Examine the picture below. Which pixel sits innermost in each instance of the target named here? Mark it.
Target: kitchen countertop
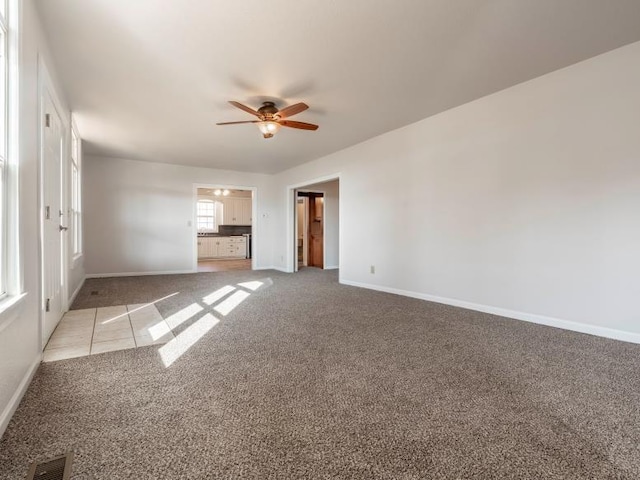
(217, 235)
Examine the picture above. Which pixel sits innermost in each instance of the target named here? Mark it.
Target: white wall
(137, 215)
(20, 348)
(76, 276)
(524, 202)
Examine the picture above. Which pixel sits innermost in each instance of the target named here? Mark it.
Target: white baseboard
(75, 293)
(284, 269)
(167, 272)
(280, 269)
(331, 267)
(10, 409)
(137, 274)
(502, 312)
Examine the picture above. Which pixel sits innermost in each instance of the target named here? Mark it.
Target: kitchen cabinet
(237, 211)
(236, 247)
(245, 214)
(207, 247)
(222, 247)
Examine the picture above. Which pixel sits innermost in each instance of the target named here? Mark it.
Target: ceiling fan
(271, 119)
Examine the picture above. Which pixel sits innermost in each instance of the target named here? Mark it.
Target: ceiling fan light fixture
(268, 128)
(270, 119)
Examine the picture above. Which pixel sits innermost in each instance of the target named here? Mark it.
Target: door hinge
(47, 213)
(47, 119)
(46, 305)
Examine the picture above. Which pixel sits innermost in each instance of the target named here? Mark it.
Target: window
(3, 148)
(206, 213)
(76, 195)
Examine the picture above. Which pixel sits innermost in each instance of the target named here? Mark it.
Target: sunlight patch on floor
(159, 330)
(254, 285)
(177, 347)
(218, 294)
(183, 315)
(225, 307)
(113, 319)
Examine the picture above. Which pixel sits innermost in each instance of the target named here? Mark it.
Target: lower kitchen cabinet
(222, 247)
(205, 247)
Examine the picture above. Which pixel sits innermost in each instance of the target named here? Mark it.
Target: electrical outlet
(372, 269)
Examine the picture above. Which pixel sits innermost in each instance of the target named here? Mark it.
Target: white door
(52, 281)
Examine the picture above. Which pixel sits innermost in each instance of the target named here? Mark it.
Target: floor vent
(56, 469)
(94, 292)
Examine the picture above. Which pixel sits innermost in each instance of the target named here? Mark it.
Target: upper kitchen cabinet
(237, 211)
(245, 215)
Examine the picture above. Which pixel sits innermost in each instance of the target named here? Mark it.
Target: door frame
(290, 265)
(306, 234)
(254, 218)
(46, 86)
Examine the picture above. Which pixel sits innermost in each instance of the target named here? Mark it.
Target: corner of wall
(13, 403)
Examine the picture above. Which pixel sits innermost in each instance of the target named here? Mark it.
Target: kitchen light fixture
(268, 128)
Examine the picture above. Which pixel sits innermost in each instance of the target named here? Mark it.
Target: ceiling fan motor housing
(268, 110)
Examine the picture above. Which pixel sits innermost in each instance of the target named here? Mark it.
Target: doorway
(224, 216)
(325, 229)
(302, 228)
(310, 229)
(52, 219)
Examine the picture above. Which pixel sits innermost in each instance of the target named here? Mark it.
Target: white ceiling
(148, 79)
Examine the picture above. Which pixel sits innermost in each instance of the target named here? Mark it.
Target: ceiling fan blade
(245, 108)
(301, 125)
(292, 110)
(235, 123)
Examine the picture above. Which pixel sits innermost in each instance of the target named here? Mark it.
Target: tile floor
(99, 330)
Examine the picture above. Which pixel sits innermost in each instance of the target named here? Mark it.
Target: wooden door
(315, 257)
